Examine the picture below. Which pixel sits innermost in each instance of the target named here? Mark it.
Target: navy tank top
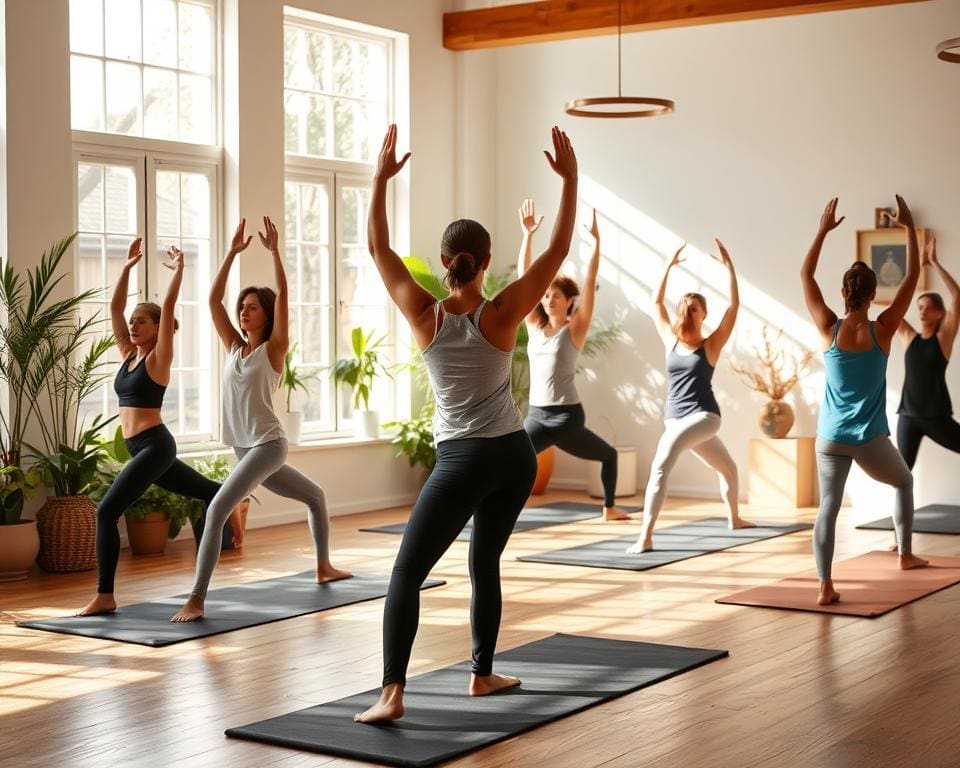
(135, 388)
(925, 392)
(688, 384)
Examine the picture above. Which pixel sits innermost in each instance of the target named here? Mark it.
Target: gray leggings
(881, 461)
(260, 465)
(698, 434)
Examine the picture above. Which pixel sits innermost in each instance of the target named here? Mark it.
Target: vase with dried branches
(772, 380)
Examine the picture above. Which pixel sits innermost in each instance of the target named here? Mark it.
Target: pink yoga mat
(869, 585)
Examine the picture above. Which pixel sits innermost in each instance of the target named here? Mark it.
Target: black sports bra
(135, 388)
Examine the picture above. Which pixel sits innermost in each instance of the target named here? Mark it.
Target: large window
(338, 99)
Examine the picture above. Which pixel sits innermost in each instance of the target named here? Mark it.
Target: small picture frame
(882, 218)
(884, 250)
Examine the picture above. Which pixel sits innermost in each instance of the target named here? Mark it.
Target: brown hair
(467, 245)
(267, 298)
(568, 287)
(683, 311)
(859, 284)
(937, 300)
(153, 310)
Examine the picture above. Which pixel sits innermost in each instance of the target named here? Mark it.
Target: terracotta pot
(776, 419)
(544, 470)
(67, 526)
(148, 534)
(19, 545)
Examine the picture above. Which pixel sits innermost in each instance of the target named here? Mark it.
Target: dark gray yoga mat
(560, 675)
(227, 609)
(678, 542)
(532, 517)
(934, 518)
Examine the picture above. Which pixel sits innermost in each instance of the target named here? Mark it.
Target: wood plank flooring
(798, 689)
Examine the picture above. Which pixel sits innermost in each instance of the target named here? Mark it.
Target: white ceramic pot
(626, 473)
(366, 424)
(293, 426)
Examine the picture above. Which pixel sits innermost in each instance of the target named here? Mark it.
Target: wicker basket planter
(68, 529)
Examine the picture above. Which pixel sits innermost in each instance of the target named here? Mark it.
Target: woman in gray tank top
(248, 422)
(557, 330)
(485, 462)
(691, 416)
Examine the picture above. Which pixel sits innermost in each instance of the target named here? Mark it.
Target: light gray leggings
(698, 434)
(260, 465)
(881, 461)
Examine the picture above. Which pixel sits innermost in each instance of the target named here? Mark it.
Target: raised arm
(890, 319)
(719, 337)
(529, 223)
(279, 341)
(951, 321)
(229, 336)
(164, 349)
(413, 301)
(661, 317)
(580, 322)
(823, 317)
(118, 301)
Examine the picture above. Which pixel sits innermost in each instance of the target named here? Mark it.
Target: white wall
(773, 118)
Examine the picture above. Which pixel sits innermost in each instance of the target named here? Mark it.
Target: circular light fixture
(620, 105)
(949, 50)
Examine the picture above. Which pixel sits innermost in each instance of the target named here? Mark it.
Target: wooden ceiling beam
(538, 22)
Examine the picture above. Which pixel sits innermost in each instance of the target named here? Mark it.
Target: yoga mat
(869, 585)
(934, 518)
(532, 517)
(560, 675)
(227, 609)
(678, 542)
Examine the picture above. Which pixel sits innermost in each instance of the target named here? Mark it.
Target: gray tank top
(248, 417)
(553, 368)
(470, 379)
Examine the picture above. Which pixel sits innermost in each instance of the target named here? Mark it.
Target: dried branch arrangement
(771, 380)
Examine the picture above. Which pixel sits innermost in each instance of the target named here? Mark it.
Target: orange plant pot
(544, 470)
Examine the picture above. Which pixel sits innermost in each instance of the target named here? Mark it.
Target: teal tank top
(854, 404)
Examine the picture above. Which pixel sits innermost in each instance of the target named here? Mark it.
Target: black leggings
(490, 479)
(911, 430)
(154, 460)
(564, 427)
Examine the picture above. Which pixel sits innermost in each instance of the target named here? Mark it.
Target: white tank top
(248, 417)
(553, 368)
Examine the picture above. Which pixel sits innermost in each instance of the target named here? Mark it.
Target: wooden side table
(783, 472)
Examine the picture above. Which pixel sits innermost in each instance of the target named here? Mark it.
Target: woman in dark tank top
(925, 408)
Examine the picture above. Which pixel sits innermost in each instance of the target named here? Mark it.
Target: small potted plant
(292, 379)
(358, 373)
(19, 542)
(156, 516)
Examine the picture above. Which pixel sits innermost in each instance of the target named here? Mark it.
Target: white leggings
(697, 433)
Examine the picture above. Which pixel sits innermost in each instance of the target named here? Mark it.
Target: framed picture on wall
(885, 252)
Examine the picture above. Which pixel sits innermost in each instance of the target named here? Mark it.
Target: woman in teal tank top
(853, 420)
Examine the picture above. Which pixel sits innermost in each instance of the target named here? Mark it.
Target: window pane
(315, 326)
(343, 69)
(86, 93)
(123, 99)
(168, 204)
(195, 203)
(159, 104)
(121, 200)
(315, 273)
(343, 129)
(372, 68)
(196, 269)
(195, 109)
(90, 197)
(290, 210)
(86, 26)
(123, 30)
(293, 116)
(317, 49)
(189, 317)
(196, 38)
(117, 248)
(90, 259)
(314, 210)
(160, 32)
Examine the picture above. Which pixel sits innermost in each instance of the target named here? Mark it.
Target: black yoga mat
(560, 675)
(678, 542)
(934, 518)
(227, 609)
(532, 517)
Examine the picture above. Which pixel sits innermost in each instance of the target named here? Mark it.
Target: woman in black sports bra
(146, 343)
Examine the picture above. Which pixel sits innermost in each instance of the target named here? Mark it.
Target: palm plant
(359, 371)
(292, 377)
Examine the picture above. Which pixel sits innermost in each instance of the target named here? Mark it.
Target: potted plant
(358, 373)
(19, 542)
(293, 379)
(776, 416)
(218, 469)
(156, 516)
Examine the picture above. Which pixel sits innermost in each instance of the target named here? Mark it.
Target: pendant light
(619, 105)
(949, 50)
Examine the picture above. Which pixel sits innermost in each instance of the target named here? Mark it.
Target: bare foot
(327, 572)
(487, 684)
(390, 706)
(643, 544)
(236, 525)
(908, 562)
(739, 522)
(99, 604)
(828, 595)
(191, 611)
(612, 513)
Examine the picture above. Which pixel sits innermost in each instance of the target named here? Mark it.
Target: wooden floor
(798, 689)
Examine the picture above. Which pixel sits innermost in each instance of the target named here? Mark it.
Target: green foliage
(181, 509)
(292, 377)
(414, 438)
(216, 468)
(73, 470)
(16, 486)
(359, 371)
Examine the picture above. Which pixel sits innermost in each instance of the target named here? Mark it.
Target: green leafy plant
(16, 485)
(216, 468)
(292, 377)
(180, 509)
(73, 470)
(358, 372)
(414, 438)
